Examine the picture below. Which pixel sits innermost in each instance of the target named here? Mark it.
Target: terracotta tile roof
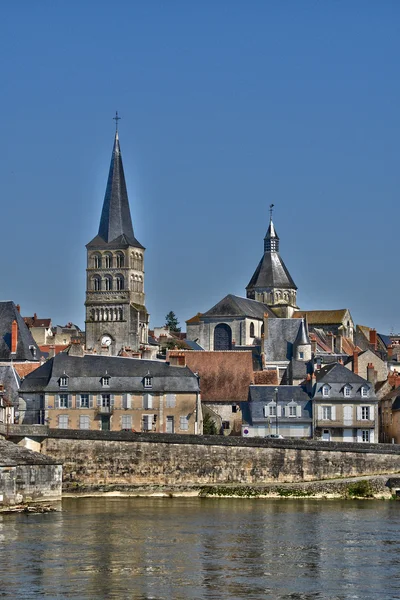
(320, 343)
(321, 317)
(195, 319)
(23, 369)
(35, 322)
(57, 347)
(224, 375)
(348, 346)
(268, 377)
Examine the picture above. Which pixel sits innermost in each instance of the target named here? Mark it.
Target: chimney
(176, 359)
(371, 373)
(355, 361)
(14, 336)
(390, 351)
(331, 342)
(313, 344)
(18, 308)
(52, 351)
(373, 339)
(34, 316)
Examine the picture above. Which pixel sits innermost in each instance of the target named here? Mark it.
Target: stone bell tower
(116, 315)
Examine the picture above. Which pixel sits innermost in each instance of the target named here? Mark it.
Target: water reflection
(160, 548)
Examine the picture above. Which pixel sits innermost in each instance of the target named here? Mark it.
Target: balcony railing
(105, 410)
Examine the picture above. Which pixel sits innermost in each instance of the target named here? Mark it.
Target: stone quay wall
(123, 460)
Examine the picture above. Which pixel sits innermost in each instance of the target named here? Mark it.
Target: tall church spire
(116, 216)
(271, 240)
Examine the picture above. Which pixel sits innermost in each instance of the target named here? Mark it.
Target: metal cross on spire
(271, 206)
(116, 119)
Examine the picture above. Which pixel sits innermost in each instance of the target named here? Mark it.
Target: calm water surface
(161, 548)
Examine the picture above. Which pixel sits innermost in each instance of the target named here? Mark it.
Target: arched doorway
(222, 337)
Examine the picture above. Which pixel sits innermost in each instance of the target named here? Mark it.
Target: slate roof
(337, 373)
(260, 395)
(115, 228)
(126, 375)
(271, 272)
(236, 306)
(280, 337)
(321, 317)
(9, 378)
(8, 314)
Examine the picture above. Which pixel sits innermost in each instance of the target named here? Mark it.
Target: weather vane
(271, 206)
(116, 119)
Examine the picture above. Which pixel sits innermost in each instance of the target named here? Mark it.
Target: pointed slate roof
(302, 338)
(236, 306)
(271, 271)
(27, 349)
(115, 230)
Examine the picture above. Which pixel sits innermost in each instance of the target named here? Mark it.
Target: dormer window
(64, 381)
(347, 391)
(147, 381)
(364, 391)
(105, 381)
(325, 390)
(33, 351)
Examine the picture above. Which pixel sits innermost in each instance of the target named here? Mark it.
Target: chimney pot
(373, 340)
(355, 361)
(14, 336)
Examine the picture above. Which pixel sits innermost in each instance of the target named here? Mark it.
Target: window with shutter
(84, 400)
(126, 422)
(63, 421)
(147, 422)
(184, 423)
(170, 400)
(63, 400)
(84, 422)
(333, 413)
(147, 401)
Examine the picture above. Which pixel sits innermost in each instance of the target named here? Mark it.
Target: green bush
(360, 489)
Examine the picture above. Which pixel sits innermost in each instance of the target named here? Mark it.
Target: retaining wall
(122, 460)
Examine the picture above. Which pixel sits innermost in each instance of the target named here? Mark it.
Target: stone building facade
(345, 406)
(116, 315)
(113, 393)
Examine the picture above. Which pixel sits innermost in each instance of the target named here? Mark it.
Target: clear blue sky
(226, 107)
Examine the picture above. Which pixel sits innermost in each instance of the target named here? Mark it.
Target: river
(193, 548)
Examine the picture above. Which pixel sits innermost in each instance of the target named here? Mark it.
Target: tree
(172, 322)
(209, 426)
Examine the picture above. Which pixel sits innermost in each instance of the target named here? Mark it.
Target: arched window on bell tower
(120, 282)
(120, 260)
(96, 283)
(108, 260)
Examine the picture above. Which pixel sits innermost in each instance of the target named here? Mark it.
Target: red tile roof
(224, 375)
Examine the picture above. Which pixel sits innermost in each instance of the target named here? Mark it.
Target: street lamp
(276, 411)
